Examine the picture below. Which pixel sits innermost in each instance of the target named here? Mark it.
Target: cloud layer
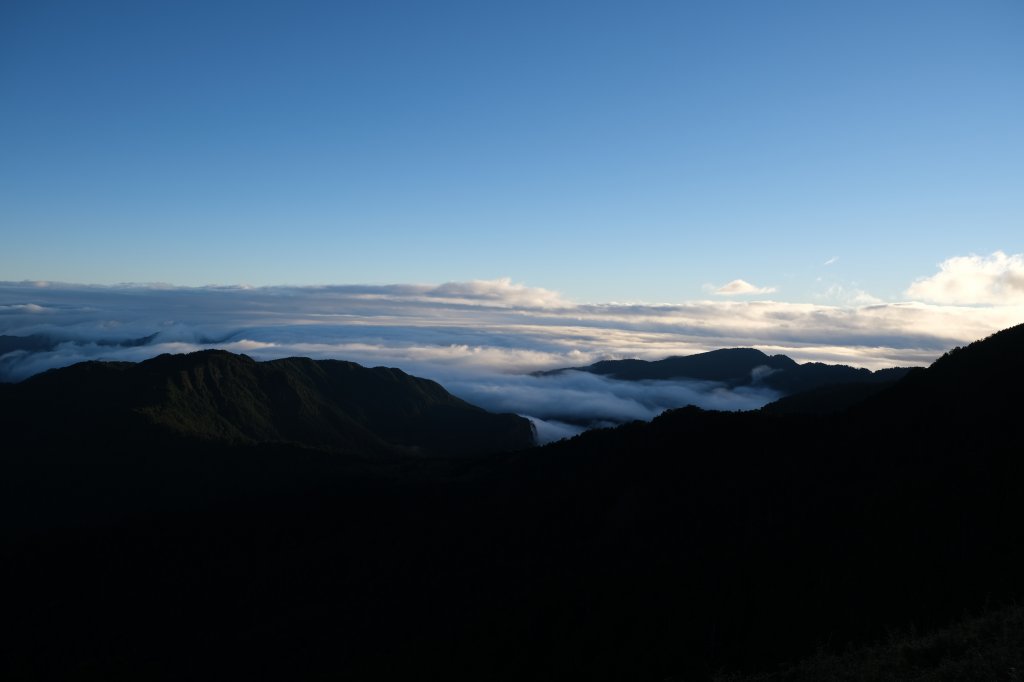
(479, 339)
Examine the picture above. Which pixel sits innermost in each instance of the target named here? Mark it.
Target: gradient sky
(608, 151)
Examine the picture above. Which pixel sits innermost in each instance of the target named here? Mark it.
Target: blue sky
(638, 151)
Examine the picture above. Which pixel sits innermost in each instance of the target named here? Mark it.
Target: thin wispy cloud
(831, 261)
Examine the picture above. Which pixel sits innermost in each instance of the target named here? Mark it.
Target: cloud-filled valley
(567, 403)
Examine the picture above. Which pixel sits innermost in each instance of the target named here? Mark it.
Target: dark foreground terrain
(180, 527)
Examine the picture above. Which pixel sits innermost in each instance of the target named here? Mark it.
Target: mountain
(43, 342)
(738, 367)
(827, 399)
(728, 365)
(971, 386)
(216, 395)
(779, 533)
(32, 343)
(697, 546)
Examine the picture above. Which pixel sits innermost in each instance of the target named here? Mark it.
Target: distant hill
(738, 367)
(32, 343)
(216, 395)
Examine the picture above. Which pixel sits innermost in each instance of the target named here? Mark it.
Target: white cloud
(997, 279)
(739, 287)
(501, 292)
(568, 398)
(832, 260)
(581, 395)
(22, 308)
(848, 296)
(470, 329)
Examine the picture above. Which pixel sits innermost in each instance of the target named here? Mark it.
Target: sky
(611, 151)
(500, 187)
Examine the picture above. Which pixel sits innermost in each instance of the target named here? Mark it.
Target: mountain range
(208, 516)
(739, 367)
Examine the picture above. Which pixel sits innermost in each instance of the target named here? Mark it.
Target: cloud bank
(479, 339)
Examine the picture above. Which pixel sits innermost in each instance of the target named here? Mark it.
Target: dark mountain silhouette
(738, 367)
(979, 382)
(728, 365)
(35, 343)
(827, 399)
(32, 343)
(218, 395)
(696, 546)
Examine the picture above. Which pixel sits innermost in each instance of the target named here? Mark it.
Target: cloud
(997, 279)
(481, 339)
(551, 430)
(471, 327)
(831, 261)
(849, 296)
(22, 308)
(502, 292)
(567, 402)
(739, 287)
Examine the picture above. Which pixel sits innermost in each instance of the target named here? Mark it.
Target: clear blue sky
(610, 151)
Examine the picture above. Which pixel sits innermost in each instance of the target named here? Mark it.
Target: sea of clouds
(483, 339)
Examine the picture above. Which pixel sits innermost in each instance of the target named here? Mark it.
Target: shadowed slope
(974, 386)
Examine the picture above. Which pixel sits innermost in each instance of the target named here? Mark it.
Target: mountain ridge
(331, 404)
(737, 367)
